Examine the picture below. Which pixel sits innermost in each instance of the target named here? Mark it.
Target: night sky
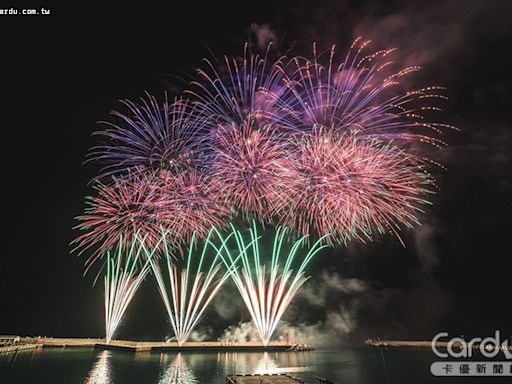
(64, 72)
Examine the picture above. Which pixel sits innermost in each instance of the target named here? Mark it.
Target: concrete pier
(154, 346)
(192, 346)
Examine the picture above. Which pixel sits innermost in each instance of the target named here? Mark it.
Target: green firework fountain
(125, 271)
(267, 290)
(187, 291)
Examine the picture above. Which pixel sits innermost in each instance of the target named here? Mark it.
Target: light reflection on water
(175, 368)
(101, 371)
(234, 363)
(266, 365)
(177, 372)
(269, 366)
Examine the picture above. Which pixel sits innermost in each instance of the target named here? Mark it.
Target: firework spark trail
(150, 136)
(124, 274)
(187, 291)
(349, 187)
(359, 94)
(268, 290)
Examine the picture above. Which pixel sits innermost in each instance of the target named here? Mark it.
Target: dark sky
(62, 73)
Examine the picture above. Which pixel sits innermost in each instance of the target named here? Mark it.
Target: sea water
(355, 365)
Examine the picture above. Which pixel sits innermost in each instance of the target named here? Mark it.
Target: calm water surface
(358, 366)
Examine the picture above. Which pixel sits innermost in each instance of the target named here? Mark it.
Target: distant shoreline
(403, 343)
(423, 344)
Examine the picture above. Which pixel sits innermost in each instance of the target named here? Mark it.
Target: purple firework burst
(149, 136)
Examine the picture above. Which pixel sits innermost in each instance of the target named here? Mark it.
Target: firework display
(186, 292)
(268, 288)
(125, 271)
(324, 148)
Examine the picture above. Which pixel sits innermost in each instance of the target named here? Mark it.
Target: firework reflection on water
(101, 371)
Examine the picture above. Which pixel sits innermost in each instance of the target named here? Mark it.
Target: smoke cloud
(264, 35)
(334, 324)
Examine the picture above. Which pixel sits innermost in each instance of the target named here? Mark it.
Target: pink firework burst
(251, 170)
(118, 215)
(349, 187)
(188, 203)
